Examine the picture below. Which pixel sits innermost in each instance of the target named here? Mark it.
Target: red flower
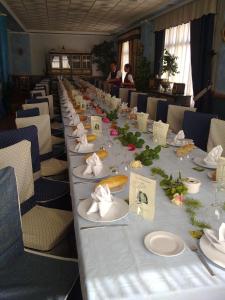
(131, 147)
(106, 120)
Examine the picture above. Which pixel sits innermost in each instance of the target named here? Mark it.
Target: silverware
(103, 226)
(203, 260)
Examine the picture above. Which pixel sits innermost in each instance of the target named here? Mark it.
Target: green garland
(148, 155)
(173, 186)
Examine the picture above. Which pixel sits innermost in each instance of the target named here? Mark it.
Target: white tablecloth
(114, 263)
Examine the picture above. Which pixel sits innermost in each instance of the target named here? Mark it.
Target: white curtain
(124, 57)
(177, 42)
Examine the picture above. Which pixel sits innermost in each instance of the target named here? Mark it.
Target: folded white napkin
(94, 165)
(80, 130)
(83, 144)
(75, 120)
(101, 200)
(179, 136)
(214, 155)
(124, 105)
(217, 240)
(134, 110)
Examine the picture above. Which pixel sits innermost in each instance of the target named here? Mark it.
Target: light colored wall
(41, 43)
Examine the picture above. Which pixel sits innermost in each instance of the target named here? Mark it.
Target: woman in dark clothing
(128, 80)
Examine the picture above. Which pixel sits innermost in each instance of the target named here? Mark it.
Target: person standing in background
(128, 80)
(114, 77)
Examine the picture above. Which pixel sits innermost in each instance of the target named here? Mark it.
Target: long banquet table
(113, 261)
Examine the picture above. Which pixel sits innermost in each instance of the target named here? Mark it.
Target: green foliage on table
(112, 115)
(148, 155)
(131, 138)
(123, 130)
(103, 55)
(191, 207)
(170, 65)
(169, 184)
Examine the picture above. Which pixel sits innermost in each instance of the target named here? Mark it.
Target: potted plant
(143, 72)
(103, 55)
(170, 67)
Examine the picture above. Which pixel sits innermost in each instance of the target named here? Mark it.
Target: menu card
(96, 125)
(220, 171)
(160, 131)
(142, 196)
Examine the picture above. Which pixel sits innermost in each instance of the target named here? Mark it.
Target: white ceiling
(97, 16)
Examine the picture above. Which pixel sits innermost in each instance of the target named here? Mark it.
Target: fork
(202, 259)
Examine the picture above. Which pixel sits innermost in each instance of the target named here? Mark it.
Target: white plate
(164, 243)
(85, 152)
(180, 143)
(211, 252)
(118, 210)
(200, 162)
(78, 172)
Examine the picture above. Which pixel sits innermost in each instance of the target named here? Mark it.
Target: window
(55, 62)
(177, 42)
(124, 57)
(65, 62)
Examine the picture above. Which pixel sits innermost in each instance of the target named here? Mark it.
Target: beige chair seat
(175, 116)
(53, 166)
(57, 140)
(44, 227)
(216, 135)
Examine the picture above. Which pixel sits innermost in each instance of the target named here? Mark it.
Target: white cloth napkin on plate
(75, 120)
(217, 240)
(213, 156)
(101, 200)
(134, 110)
(179, 136)
(80, 130)
(83, 144)
(124, 105)
(94, 165)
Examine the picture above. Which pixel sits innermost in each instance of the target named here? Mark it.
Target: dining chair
(36, 93)
(26, 274)
(45, 138)
(115, 91)
(216, 134)
(123, 94)
(48, 168)
(21, 113)
(196, 127)
(43, 227)
(152, 106)
(142, 102)
(175, 116)
(133, 99)
(43, 107)
(161, 111)
(56, 128)
(129, 96)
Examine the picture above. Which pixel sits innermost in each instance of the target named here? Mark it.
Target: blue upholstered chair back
(11, 242)
(10, 137)
(32, 101)
(115, 91)
(196, 126)
(129, 96)
(24, 113)
(161, 111)
(142, 102)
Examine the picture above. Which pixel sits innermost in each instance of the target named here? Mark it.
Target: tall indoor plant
(143, 72)
(103, 55)
(170, 66)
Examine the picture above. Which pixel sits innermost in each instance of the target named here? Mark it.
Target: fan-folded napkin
(94, 165)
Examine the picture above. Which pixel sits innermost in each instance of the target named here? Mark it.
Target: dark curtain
(159, 49)
(201, 58)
